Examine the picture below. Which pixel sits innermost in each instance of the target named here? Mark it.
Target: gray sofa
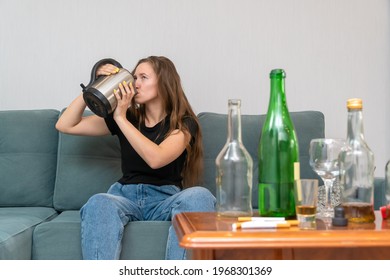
(46, 176)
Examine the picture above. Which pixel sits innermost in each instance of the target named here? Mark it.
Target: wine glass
(324, 153)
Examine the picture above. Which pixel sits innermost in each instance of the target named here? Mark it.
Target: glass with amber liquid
(357, 169)
(306, 210)
(306, 198)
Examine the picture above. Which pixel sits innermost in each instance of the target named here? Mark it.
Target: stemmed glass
(324, 153)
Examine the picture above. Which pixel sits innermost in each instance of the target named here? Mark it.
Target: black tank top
(135, 170)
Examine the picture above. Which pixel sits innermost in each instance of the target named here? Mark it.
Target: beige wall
(331, 50)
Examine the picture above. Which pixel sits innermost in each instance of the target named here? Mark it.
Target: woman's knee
(98, 203)
(107, 206)
(199, 199)
(98, 200)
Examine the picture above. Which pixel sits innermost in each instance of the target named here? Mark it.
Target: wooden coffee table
(208, 236)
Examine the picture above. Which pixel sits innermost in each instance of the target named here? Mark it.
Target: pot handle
(96, 66)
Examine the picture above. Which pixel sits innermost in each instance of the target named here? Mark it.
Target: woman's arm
(72, 121)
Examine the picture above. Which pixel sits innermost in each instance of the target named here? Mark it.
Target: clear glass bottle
(234, 168)
(278, 153)
(357, 169)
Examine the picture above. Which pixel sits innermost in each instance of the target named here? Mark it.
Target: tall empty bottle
(357, 169)
(234, 167)
(278, 154)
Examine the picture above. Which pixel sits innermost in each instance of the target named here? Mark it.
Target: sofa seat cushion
(145, 240)
(141, 240)
(58, 239)
(16, 229)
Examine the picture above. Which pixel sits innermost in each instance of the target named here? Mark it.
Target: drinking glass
(324, 153)
(306, 197)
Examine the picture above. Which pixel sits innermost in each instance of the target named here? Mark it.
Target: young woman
(161, 151)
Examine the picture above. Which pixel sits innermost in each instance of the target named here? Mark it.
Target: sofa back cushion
(28, 153)
(85, 166)
(308, 125)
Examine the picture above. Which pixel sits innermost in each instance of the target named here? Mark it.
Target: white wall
(331, 50)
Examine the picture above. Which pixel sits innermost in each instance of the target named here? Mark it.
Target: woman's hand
(123, 97)
(106, 70)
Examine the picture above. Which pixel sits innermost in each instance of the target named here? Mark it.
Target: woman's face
(145, 83)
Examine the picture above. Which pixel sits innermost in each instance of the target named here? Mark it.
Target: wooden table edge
(191, 238)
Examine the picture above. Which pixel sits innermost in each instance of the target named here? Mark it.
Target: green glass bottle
(278, 155)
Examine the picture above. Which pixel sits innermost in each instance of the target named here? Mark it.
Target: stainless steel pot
(99, 93)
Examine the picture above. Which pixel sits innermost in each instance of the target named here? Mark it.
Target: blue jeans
(105, 215)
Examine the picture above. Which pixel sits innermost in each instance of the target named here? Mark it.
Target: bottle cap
(277, 73)
(339, 219)
(355, 103)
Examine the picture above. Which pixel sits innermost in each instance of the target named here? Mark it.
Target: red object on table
(385, 211)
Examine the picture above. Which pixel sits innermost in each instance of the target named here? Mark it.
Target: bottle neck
(355, 125)
(234, 120)
(278, 96)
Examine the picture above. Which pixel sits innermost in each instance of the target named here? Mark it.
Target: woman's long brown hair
(177, 106)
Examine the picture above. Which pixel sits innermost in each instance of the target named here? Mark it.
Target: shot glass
(306, 198)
